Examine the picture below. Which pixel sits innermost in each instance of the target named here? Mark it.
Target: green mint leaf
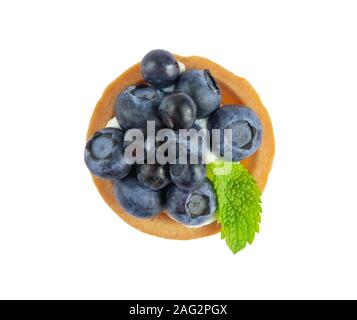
(239, 203)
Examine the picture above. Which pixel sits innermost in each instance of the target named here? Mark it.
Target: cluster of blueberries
(174, 100)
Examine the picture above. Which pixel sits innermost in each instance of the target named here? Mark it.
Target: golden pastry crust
(235, 90)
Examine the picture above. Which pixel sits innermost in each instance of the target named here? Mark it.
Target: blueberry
(192, 208)
(153, 176)
(138, 201)
(104, 154)
(246, 130)
(198, 147)
(202, 88)
(136, 105)
(160, 68)
(132, 135)
(189, 147)
(187, 176)
(178, 111)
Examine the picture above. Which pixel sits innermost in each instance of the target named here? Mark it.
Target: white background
(58, 239)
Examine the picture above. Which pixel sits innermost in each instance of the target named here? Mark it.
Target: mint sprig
(239, 203)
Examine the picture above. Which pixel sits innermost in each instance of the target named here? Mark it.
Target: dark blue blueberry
(153, 176)
(104, 154)
(202, 88)
(132, 135)
(190, 147)
(136, 105)
(160, 68)
(187, 176)
(246, 130)
(196, 148)
(138, 201)
(192, 208)
(178, 111)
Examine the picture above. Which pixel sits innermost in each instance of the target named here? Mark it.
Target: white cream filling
(203, 123)
(181, 66)
(169, 89)
(113, 123)
(209, 221)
